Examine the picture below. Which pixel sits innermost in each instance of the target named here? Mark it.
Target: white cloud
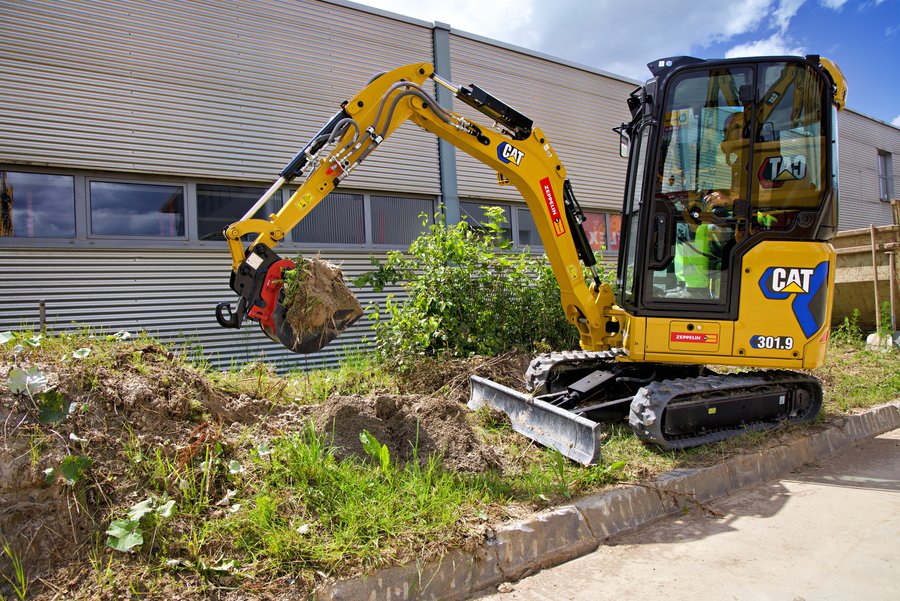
(615, 35)
(785, 12)
(896, 121)
(774, 45)
(833, 4)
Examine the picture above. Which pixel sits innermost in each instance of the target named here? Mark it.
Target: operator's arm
(519, 152)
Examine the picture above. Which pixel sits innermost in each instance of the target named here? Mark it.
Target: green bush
(466, 292)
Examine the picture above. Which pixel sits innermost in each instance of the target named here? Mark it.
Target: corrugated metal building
(134, 131)
(868, 178)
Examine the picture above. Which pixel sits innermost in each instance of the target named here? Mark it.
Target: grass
(253, 512)
(19, 579)
(855, 378)
(309, 511)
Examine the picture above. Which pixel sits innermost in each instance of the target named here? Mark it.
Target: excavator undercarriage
(670, 406)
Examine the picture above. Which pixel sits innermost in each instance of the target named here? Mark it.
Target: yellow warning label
(304, 201)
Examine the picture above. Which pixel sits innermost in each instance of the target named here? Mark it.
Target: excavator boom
(519, 152)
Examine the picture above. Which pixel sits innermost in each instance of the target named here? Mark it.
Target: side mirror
(624, 140)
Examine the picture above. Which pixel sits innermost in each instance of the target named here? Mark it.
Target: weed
(849, 332)
(19, 579)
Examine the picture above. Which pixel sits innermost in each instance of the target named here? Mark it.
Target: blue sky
(621, 36)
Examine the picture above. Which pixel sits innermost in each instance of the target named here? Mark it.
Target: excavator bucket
(576, 437)
(308, 315)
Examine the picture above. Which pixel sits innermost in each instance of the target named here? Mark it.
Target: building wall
(860, 138)
(576, 109)
(201, 89)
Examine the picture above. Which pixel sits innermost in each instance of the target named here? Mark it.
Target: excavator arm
(519, 152)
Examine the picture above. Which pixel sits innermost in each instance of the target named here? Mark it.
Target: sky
(622, 36)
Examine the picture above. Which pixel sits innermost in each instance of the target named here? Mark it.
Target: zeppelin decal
(694, 338)
(550, 198)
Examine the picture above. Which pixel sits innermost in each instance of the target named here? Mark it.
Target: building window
(36, 205)
(338, 219)
(220, 206)
(145, 210)
(527, 230)
(473, 212)
(398, 221)
(885, 176)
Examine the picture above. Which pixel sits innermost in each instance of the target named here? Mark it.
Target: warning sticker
(304, 201)
(559, 227)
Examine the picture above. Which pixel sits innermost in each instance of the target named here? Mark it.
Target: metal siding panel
(860, 138)
(575, 109)
(170, 294)
(198, 88)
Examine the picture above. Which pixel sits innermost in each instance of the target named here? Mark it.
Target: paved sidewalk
(828, 531)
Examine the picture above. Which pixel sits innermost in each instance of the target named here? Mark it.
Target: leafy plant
(467, 292)
(377, 451)
(849, 331)
(69, 471)
(886, 320)
(53, 407)
(125, 535)
(26, 381)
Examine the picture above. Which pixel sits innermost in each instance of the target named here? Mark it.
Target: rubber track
(541, 366)
(645, 416)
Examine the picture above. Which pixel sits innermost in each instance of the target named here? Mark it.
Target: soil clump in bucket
(319, 303)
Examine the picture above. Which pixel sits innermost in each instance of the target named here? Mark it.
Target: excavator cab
(725, 156)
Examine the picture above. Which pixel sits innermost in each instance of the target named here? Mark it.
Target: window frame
(53, 240)
(189, 224)
(885, 176)
(84, 237)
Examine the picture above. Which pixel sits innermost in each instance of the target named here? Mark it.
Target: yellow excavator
(725, 256)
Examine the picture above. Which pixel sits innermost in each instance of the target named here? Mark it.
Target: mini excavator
(725, 258)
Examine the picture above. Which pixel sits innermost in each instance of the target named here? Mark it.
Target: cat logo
(508, 153)
(774, 171)
(804, 288)
(790, 280)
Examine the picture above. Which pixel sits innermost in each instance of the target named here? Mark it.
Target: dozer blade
(576, 437)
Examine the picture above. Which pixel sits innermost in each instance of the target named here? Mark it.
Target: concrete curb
(566, 532)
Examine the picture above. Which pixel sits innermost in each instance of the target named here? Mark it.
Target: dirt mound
(411, 427)
(318, 301)
(140, 400)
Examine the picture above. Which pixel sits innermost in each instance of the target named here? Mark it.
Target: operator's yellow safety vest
(694, 264)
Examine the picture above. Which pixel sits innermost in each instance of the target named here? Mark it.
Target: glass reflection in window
(220, 206)
(36, 205)
(127, 209)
